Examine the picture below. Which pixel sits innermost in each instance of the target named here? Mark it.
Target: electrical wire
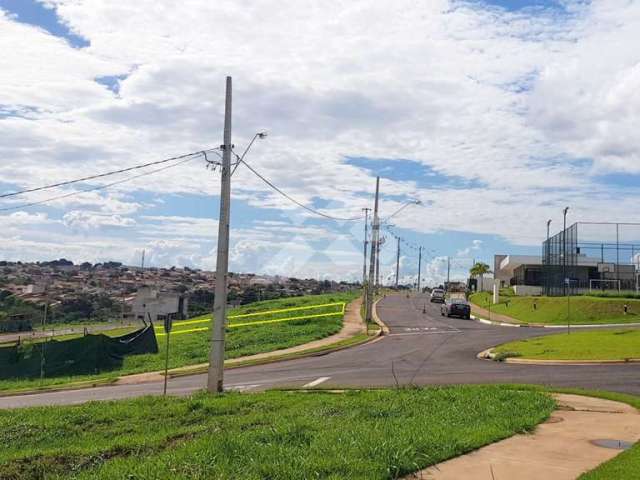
(100, 187)
(101, 175)
(291, 199)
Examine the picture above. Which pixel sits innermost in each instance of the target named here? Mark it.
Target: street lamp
(412, 202)
(564, 249)
(261, 135)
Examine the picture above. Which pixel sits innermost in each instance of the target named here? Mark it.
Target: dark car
(458, 307)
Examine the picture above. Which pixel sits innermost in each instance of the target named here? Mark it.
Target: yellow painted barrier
(268, 312)
(248, 324)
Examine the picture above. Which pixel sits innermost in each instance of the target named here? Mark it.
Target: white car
(437, 295)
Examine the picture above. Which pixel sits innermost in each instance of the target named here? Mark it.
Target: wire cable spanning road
(420, 349)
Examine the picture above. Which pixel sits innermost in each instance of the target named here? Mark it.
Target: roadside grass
(374, 434)
(607, 344)
(553, 310)
(193, 348)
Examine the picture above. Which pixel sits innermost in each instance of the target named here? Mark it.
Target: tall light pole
(215, 382)
(548, 261)
(564, 249)
(398, 263)
(375, 230)
(419, 266)
(366, 241)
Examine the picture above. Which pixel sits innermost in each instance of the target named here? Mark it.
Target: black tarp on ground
(84, 355)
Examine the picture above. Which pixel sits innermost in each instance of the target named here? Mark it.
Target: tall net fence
(88, 354)
(589, 257)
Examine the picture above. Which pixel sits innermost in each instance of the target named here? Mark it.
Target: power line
(291, 199)
(101, 175)
(99, 187)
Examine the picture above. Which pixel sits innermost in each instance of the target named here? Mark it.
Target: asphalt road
(421, 349)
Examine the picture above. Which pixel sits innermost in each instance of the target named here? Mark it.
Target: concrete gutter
(489, 354)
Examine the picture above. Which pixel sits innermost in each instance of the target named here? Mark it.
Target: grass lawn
(553, 310)
(377, 434)
(583, 345)
(193, 348)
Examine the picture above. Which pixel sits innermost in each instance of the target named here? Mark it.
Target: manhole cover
(611, 443)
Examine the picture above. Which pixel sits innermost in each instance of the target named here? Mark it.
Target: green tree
(479, 269)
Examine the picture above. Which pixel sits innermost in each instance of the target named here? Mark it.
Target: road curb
(374, 313)
(489, 354)
(540, 325)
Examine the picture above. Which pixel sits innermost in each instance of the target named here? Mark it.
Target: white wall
(527, 290)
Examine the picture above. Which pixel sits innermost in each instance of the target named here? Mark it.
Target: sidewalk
(494, 317)
(559, 449)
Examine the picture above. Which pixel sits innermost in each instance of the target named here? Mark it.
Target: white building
(150, 303)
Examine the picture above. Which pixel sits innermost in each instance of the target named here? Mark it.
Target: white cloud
(504, 100)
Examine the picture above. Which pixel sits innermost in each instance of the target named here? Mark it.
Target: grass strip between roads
(583, 309)
(376, 434)
(617, 344)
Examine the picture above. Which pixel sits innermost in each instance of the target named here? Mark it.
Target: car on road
(437, 295)
(458, 307)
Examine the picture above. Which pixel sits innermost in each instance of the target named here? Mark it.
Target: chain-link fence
(590, 257)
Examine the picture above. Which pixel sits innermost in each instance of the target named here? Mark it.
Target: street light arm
(246, 150)
(413, 202)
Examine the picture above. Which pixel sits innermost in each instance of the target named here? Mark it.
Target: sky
(495, 114)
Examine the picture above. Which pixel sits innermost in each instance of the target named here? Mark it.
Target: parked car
(458, 307)
(437, 295)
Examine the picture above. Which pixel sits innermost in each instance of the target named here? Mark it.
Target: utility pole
(366, 241)
(398, 263)
(419, 266)
(378, 242)
(448, 271)
(216, 357)
(375, 229)
(142, 264)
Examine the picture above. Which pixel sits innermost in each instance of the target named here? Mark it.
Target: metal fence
(590, 256)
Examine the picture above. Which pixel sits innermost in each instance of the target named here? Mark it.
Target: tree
(479, 269)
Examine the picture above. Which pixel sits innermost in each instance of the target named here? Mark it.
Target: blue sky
(506, 112)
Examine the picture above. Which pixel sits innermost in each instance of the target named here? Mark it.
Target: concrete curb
(489, 354)
(541, 325)
(374, 313)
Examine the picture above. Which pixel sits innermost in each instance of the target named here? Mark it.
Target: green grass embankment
(277, 435)
(585, 310)
(193, 348)
(579, 345)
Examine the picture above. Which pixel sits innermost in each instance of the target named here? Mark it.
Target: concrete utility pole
(375, 229)
(419, 266)
(448, 271)
(216, 357)
(366, 241)
(398, 263)
(378, 242)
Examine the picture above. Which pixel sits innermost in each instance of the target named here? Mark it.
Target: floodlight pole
(564, 250)
(215, 380)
